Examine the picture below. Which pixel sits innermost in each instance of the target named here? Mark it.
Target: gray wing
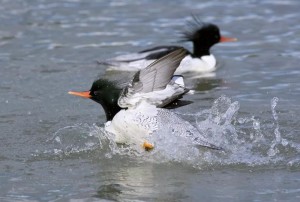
(148, 54)
(154, 77)
(158, 74)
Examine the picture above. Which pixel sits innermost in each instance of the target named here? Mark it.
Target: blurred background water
(52, 145)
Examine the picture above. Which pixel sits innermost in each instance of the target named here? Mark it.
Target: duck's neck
(111, 111)
(110, 106)
(200, 51)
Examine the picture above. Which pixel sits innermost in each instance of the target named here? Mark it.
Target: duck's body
(200, 60)
(135, 126)
(140, 103)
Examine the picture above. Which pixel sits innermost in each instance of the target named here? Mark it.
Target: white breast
(204, 64)
(133, 126)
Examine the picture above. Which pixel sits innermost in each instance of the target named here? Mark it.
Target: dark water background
(52, 147)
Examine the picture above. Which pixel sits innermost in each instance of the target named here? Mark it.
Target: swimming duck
(136, 111)
(202, 35)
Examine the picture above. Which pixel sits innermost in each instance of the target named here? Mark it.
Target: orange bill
(227, 39)
(84, 94)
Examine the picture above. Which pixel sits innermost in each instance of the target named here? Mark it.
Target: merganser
(202, 35)
(135, 112)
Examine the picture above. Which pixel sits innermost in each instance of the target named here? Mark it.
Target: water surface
(52, 145)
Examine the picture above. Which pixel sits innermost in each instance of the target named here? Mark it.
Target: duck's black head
(105, 93)
(204, 36)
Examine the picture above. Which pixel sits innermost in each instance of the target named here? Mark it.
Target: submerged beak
(84, 94)
(227, 39)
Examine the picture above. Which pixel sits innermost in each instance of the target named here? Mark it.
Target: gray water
(52, 145)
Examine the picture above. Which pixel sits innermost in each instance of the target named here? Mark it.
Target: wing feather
(159, 73)
(154, 77)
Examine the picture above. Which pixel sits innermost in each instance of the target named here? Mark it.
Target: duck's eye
(96, 92)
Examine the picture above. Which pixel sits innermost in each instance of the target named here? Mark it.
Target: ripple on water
(246, 142)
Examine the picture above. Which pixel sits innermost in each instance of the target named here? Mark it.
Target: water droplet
(57, 151)
(256, 124)
(272, 151)
(277, 135)
(108, 155)
(274, 102)
(57, 139)
(284, 142)
(241, 120)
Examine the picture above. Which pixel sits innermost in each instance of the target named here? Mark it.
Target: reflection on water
(144, 181)
(110, 191)
(207, 84)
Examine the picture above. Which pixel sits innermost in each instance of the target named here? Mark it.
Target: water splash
(77, 138)
(80, 139)
(278, 141)
(246, 141)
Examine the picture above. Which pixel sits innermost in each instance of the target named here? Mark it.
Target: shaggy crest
(193, 27)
